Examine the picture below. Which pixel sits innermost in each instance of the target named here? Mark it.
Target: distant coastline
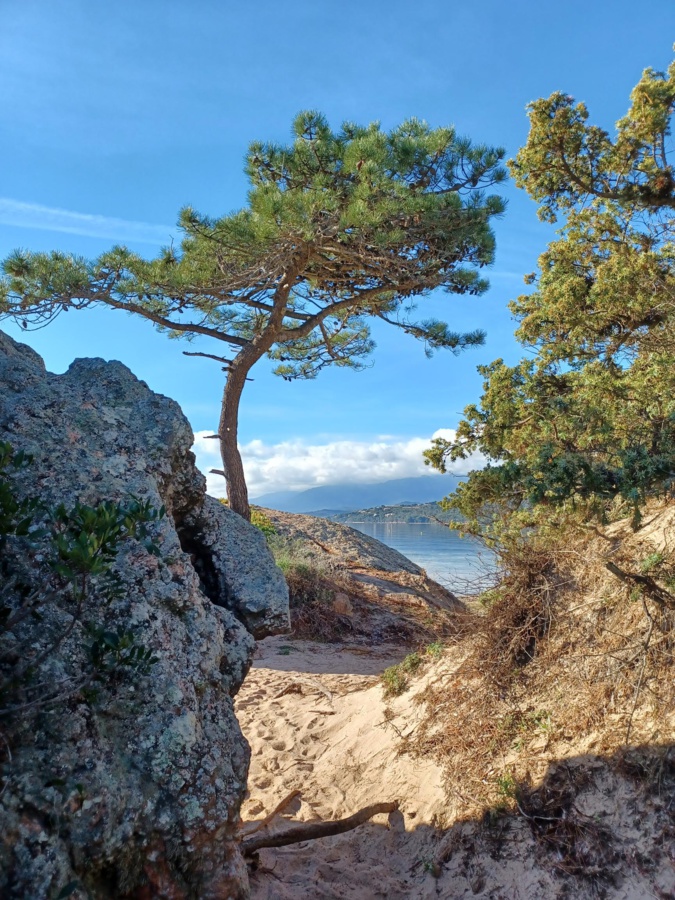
(396, 514)
(390, 522)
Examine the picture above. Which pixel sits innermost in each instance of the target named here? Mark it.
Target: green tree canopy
(340, 228)
(589, 415)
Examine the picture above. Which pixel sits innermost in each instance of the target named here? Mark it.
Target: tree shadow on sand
(595, 827)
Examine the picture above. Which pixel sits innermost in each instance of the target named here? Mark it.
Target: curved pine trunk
(241, 365)
(237, 492)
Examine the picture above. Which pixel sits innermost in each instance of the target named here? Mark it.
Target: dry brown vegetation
(567, 659)
(315, 610)
(531, 750)
(329, 604)
(556, 711)
(550, 709)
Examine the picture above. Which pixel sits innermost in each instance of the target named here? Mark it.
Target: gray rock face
(325, 538)
(242, 574)
(133, 792)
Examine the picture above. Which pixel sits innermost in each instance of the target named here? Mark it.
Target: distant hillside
(349, 497)
(417, 513)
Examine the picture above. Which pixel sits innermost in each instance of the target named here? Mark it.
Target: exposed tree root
(310, 831)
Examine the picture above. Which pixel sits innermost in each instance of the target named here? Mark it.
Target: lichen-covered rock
(241, 570)
(134, 789)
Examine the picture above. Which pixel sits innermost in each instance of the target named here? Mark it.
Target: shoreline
(388, 522)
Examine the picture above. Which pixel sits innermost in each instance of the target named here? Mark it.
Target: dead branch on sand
(310, 831)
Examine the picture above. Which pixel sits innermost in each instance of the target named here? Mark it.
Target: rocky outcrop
(368, 561)
(132, 789)
(392, 597)
(236, 567)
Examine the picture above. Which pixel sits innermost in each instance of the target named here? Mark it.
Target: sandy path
(315, 719)
(317, 723)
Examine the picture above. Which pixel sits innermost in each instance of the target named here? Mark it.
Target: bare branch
(653, 590)
(310, 831)
(222, 359)
(275, 812)
(189, 328)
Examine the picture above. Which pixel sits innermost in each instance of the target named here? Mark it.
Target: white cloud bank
(297, 465)
(47, 218)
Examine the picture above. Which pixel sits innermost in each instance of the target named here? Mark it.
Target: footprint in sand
(255, 808)
(262, 731)
(253, 697)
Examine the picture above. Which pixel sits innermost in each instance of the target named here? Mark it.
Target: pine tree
(340, 228)
(589, 415)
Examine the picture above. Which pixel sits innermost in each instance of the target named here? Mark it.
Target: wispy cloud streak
(46, 218)
(298, 464)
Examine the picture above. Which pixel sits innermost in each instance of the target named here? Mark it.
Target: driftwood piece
(316, 684)
(310, 831)
(295, 687)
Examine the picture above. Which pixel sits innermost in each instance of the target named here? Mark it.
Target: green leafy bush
(258, 518)
(507, 786)
(396, 679)
(651, 563)
(263, 522)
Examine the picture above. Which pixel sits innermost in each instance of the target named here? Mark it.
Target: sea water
(461, 564)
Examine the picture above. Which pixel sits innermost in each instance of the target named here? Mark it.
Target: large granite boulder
(134, 789)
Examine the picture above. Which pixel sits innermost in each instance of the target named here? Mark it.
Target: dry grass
(312, 589)
(579, 844)
(315, 585)
(316, 619)
(520, 614)
(312, 597)
(566, 656)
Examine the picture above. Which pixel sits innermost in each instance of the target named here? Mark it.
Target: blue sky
(116, 115)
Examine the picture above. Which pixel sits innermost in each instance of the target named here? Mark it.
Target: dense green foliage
(263, 523)
(358, 220)
(587, 419)
(62, 559)
(340, 228)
